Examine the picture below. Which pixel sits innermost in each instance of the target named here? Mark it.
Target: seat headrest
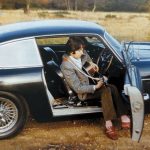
(52, 54)
(55, 68)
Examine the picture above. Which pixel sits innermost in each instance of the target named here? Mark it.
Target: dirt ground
(74, 135)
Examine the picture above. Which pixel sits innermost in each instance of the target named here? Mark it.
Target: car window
(52, 40)
(113, 43)
(94, 41)
(23, 53)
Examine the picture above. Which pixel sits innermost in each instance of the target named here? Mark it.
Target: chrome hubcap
(8, 115)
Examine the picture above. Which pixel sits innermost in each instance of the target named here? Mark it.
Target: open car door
(133, 89)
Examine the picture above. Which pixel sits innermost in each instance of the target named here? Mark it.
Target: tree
(76, 5)
(27, 7)
(67, 4)
(94, 6)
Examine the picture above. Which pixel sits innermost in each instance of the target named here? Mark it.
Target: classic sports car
(31, 81)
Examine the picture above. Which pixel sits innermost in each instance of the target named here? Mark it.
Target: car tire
(13, 114)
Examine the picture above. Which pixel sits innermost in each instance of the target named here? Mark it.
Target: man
(72, 66)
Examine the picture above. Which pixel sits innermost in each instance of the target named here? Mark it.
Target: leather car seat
(52, 69)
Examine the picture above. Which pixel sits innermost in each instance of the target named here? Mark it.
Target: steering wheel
(104, 60)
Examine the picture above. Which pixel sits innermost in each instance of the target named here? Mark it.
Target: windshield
(113, 43)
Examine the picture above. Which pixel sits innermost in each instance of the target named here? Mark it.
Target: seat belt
(81, 71)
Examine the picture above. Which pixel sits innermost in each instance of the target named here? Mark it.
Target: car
(31, 82)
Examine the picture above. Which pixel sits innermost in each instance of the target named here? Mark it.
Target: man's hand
(95, 66)
(99, 84)
(105, 78)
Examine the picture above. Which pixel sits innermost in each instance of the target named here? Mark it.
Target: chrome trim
(76, 111)
(36, 66)
(49, 95)
(8, 115)
(67, 34)
(146, 79)
(51, 35)
(146, 96)
(112, 50)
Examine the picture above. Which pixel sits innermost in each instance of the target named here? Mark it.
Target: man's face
(78, 53)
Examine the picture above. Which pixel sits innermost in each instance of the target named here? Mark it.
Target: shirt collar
(76, 61)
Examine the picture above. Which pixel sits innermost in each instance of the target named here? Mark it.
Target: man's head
(75, 47)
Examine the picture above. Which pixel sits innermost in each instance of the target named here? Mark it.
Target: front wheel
(13, 114)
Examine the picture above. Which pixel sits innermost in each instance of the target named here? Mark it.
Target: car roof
(47, 27)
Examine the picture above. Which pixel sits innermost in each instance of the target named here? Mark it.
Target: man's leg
(109, 111)
(121, 108)
(104, 94)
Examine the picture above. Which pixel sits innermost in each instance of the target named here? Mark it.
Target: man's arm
(73, 80)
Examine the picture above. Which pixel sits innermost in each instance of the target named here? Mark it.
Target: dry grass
(124, 26)
(74, 135)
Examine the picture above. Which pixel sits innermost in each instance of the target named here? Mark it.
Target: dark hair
(73, 44)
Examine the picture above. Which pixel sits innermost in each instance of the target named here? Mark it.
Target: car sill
(76, 111)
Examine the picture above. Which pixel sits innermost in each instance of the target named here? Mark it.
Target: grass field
(124, 26)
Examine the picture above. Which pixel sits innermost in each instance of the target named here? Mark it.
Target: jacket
(77, 81)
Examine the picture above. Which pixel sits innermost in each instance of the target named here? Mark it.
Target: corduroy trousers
(111, 101)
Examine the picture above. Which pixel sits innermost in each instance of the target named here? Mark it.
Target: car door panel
(137, 109)
(134, 90)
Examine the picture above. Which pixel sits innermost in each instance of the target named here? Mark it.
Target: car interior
(53, 48)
